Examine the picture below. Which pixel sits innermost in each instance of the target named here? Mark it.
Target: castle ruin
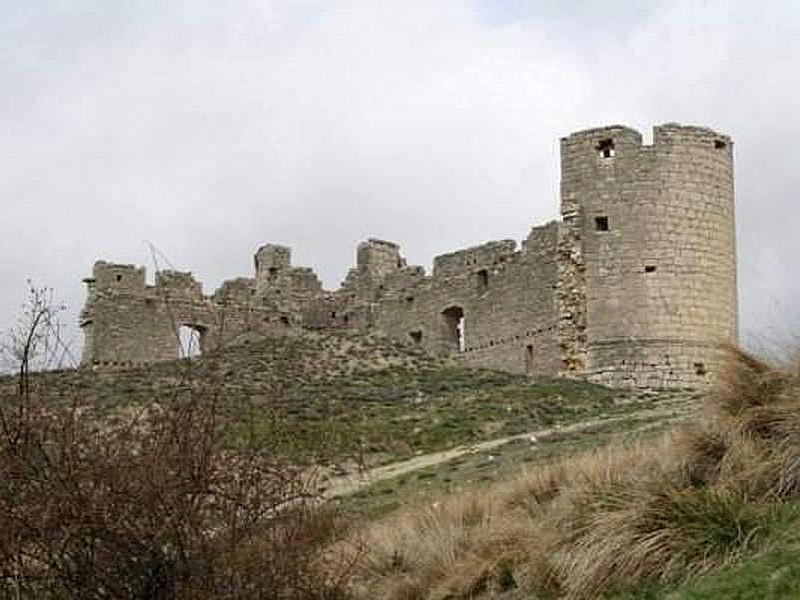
(635, 285)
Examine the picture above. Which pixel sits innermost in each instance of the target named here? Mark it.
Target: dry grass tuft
(664, 509)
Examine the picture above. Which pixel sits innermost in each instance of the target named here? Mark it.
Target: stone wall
(493, 305)
(635, 286)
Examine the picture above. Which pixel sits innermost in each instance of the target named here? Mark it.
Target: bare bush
(151, 505)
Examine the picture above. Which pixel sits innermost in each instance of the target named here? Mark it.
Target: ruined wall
(127, 322)
(492, 305)
(654, 229)
(635, 286)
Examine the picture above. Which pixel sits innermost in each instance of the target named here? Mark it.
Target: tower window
(649, 268)
(719, 144)
(483, 280)
(601, 223)
(700, 368)
(606, 148)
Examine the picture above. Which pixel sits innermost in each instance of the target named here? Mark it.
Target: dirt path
(349, 484)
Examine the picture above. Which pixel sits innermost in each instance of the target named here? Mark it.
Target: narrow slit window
(606, 148)
(601, 223)
(483, 280)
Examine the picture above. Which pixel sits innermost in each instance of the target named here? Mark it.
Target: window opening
(483, 280)
(650, 269)
(529, 358)
(719, 144)
(454, 328)
(190, 341)
(700, 368)
(606, 148)
(416, 337)
(601, 223)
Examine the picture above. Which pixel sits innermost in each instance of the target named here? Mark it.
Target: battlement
(635, 285)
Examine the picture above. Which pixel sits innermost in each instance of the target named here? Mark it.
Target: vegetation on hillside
(347, 395)
(625, 519)
(196, 479)
(150, 504)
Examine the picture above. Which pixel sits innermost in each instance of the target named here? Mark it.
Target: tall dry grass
(666, 508)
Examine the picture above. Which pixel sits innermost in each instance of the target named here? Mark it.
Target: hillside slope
(348, 393)
(649, 519)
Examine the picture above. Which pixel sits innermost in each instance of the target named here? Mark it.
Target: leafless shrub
(150, 506)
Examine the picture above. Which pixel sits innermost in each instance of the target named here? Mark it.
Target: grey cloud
(211, 127)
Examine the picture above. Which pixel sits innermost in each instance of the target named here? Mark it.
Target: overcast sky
(210, 127)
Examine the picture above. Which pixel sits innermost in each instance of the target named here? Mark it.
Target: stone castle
(635, 285)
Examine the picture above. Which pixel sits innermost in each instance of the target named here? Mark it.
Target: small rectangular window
(601, 223)
(606, 148)
(700, 368)
(719, 144)
(416, 337)
(650, 269)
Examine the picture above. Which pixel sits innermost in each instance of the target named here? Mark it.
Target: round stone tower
(650, 293)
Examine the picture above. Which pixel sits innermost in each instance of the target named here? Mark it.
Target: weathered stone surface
(635, 286)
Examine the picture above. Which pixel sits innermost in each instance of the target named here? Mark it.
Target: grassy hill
(706, 510)
(342, 393)
(479, 484)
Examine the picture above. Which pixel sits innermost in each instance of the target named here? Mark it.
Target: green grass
(350, 397)
(771, 571)
(490, 466)
(340, 395)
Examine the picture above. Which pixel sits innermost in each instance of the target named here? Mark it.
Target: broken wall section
(491, 305)
(127, 322)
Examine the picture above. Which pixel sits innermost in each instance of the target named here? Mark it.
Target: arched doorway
(453, 323)
(190, 341)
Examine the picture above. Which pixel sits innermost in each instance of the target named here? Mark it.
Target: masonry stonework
(635, 286)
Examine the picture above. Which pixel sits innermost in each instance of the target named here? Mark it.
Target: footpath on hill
(671, 410)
